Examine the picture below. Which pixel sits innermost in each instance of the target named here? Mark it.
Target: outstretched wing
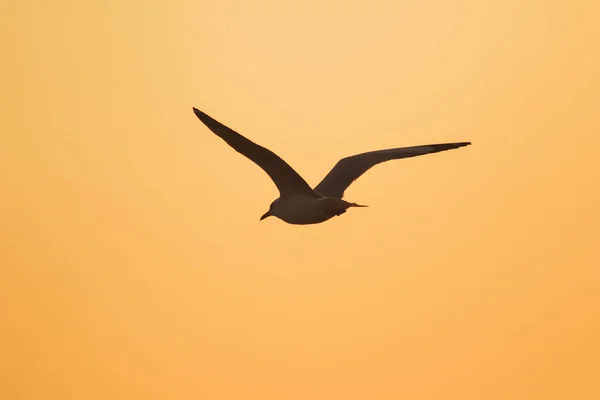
(286, 179)
(348, 169)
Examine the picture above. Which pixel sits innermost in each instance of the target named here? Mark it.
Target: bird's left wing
(285, 178)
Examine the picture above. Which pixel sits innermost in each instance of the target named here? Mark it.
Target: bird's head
(272, 211)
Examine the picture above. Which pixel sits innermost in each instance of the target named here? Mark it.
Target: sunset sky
(132, 261)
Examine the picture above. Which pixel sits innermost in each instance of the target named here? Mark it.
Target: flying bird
(298, 203)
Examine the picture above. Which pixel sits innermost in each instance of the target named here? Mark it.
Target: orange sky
(133, 263)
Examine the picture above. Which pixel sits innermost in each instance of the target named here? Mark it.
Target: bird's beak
(267, 214)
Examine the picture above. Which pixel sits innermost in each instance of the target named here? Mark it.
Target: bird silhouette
(298, 203)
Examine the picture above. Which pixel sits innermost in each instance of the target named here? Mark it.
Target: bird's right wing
(348, 169)
(286, 179)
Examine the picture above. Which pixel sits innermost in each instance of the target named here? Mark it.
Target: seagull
(298, 203)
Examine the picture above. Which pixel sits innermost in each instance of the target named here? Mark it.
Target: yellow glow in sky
(133, 264)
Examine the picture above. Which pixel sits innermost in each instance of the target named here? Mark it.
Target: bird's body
(298, 203)
(307, 209)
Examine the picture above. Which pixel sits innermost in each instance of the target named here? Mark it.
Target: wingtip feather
(198, 113)
(209, 121)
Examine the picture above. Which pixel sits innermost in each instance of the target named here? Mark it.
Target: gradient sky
(133, 263)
